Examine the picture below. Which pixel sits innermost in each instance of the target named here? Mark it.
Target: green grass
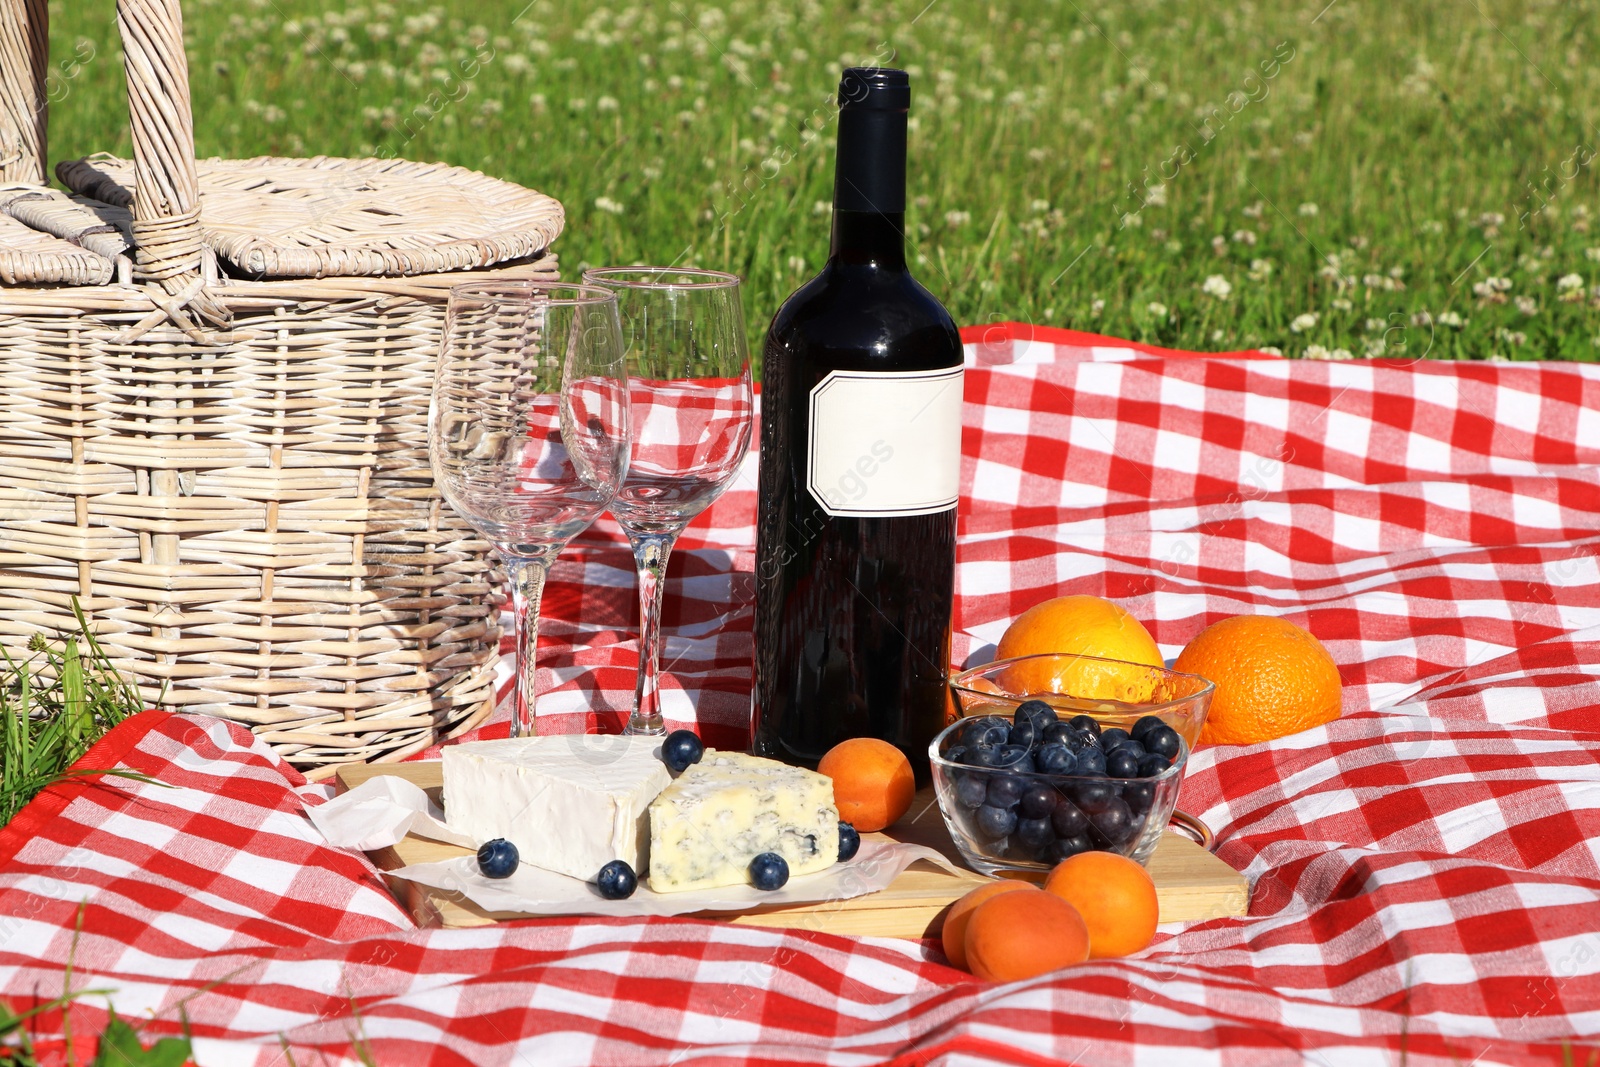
(1368, 164)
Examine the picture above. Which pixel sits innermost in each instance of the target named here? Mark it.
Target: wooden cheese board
(1191, 883)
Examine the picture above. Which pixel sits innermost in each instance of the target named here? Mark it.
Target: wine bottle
(860, 469)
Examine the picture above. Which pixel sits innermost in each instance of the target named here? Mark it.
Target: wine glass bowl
(529, 430)
(692, 402)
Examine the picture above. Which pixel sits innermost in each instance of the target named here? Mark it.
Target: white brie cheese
(724, 811)
(571, 803)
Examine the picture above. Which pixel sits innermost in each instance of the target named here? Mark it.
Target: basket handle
(166, 193)
(24, 66)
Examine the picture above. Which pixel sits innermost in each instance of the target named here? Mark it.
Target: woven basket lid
(29, 257)
(325, 217)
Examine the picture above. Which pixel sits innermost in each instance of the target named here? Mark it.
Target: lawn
(1403, 179)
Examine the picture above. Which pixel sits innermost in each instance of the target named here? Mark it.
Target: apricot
(954, 932)
(1013, 936)
(872, 782)
(1116, 898)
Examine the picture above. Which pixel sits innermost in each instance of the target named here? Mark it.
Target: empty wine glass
(528, 431)
(692, 399)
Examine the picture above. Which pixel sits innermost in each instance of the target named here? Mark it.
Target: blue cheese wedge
(571, 803)
(724, 811)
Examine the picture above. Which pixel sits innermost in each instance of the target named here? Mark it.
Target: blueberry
(1057, 733)
(1110, 739)
(1024, 733)
(1086, 723)
(971, 790)
(1122, 764)
(1145, 724)
(1082, 739)
(1032, 833)
(769, 871)
(1037, 712)
(498, 858)
(1164, 742)
(997, 732)
(1091, 761)
(1152, 765)
(616, 880)
(680, 749)
(956, 754)
(1115, 821)
(983, 731)
(996, 822)
(1139, 796)
(1068, 819)
(1016, 758)
(849, 842)
(1005, 790)
(1133, 746)
(1064, 848)
(1038, 801)
(1055, 759)
(1094, 796)
(983, 755)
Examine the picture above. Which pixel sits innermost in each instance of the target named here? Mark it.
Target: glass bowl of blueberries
(1027, 777)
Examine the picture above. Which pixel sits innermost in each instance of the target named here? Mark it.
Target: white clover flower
(577, 103)
(1315, 352)
(1260, 269)
(1592, 254)
(1244, 237)
(1374, 325)
(1096, 307)
(1303, 322)
(797, 264)
(1253, 211)
(1375, 347)
(1341, 353)
(1271, 350)
(1512, 337)
(517, 63)
(954, 219)
(608, 205)
(1156, 195)
(1218, 286)
(1422, 318)
(1488, 219)
(606, 103)
(1342, 304)
(1309, 209)
(1036, 206)
(1568, 282)
(1132, 220)
(1527, 305)
(1502, 284)
(1219, 245)
(1451, 319)
(1157, 310)
(820, 207)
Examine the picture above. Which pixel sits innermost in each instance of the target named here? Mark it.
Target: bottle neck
(869, 238)
(869, 188)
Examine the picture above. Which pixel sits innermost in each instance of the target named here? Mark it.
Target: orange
(872, 782)
(1014, 936)
(1273, 679)
(954, 932)
(1114, 895)
(1084, 626)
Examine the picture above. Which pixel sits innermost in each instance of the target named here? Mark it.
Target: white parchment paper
(383, 810)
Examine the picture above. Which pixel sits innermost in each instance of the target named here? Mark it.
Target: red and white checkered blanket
(1426, 888)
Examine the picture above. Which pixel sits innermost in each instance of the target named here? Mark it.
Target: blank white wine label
(886, 443)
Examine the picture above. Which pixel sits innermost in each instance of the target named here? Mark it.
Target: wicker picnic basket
(214, 383)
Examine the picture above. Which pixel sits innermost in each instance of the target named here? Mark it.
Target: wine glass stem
(650, 554)
(526, 578)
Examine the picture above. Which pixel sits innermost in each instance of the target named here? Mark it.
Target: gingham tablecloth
(1426, 887)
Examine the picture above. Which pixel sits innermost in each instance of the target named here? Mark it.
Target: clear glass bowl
(1084, 811)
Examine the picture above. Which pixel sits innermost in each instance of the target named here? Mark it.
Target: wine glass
(528, 431)
(690, 385)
